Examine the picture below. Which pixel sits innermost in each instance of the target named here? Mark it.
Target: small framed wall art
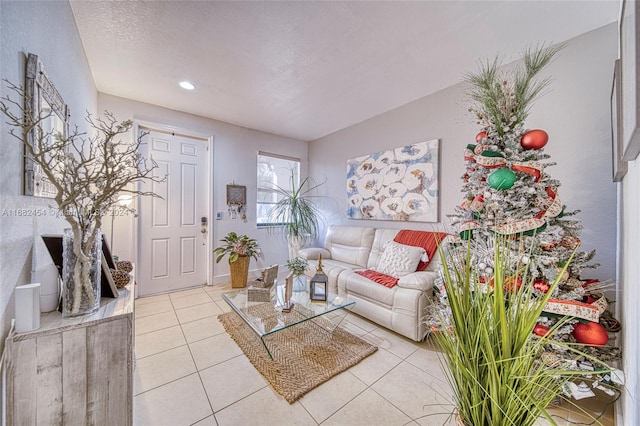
(236, 195)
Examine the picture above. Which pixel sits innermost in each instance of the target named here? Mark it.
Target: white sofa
(400, 308)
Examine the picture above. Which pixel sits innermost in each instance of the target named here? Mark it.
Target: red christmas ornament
(541, 285)
(480, 136)
(588, 299)
(534, 139)
(541, 330)
(591, 333)
(512, 283)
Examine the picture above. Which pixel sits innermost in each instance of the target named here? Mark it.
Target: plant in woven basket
(495, 364)
(240, 249)
(236, 246)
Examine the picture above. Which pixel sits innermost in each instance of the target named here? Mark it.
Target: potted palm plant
(240, 249)
(296, 212)
(495, 357)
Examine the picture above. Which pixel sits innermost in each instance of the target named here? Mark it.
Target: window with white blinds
(274, 177)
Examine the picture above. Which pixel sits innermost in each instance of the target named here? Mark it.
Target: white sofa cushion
(312, 253)
(421, 280)
(398, 259)
(357, 284)
(377, 248)
(350, 244)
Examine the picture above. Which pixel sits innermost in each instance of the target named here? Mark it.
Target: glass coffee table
(266, 318)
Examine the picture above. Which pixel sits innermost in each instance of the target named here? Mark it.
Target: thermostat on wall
(218, 215)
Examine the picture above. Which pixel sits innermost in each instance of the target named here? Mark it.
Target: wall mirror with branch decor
(42, 99)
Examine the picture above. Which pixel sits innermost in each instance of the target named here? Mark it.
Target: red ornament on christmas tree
(480, 136)
(511, 284)
(541, 285)
(590, 333)
(534, 139)
(540, 330)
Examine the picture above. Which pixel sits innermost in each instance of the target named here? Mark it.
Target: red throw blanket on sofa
(425, 239)
(385, 280)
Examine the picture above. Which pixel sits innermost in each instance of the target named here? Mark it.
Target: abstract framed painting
(399, 184)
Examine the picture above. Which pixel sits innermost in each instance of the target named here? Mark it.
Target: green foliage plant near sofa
(497, 367)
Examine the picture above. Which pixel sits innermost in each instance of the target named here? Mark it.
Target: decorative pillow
(425, 239)
(398, 260)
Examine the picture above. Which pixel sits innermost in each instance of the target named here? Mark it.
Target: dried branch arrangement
(88, 173)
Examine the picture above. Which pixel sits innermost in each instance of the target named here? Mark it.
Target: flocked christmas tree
(509, 192)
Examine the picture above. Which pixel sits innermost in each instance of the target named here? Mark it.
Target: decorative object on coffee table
(288, 290)
(318, 285)
(297, 266)
(260, 289)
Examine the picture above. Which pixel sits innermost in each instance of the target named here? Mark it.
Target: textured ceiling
(307, 69)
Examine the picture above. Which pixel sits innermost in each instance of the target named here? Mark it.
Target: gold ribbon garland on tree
(551, 205)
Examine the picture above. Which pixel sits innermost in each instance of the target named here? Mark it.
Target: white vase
(296, 244)
(300, 283)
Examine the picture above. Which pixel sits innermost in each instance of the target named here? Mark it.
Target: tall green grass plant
(493, 360)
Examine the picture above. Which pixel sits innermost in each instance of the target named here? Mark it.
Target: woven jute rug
(304, 356)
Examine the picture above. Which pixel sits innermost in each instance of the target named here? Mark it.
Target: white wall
(630, 291)
(48, 30)
(575, 113)
(235, 160)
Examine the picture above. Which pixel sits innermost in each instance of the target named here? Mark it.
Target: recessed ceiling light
(187, 85)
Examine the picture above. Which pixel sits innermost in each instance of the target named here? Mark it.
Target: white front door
(172, 247)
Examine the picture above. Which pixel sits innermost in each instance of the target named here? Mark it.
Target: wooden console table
(74, 371)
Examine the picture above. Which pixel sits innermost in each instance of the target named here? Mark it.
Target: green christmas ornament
(502, 179)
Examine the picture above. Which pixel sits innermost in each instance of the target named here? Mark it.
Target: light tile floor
(190, 372)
